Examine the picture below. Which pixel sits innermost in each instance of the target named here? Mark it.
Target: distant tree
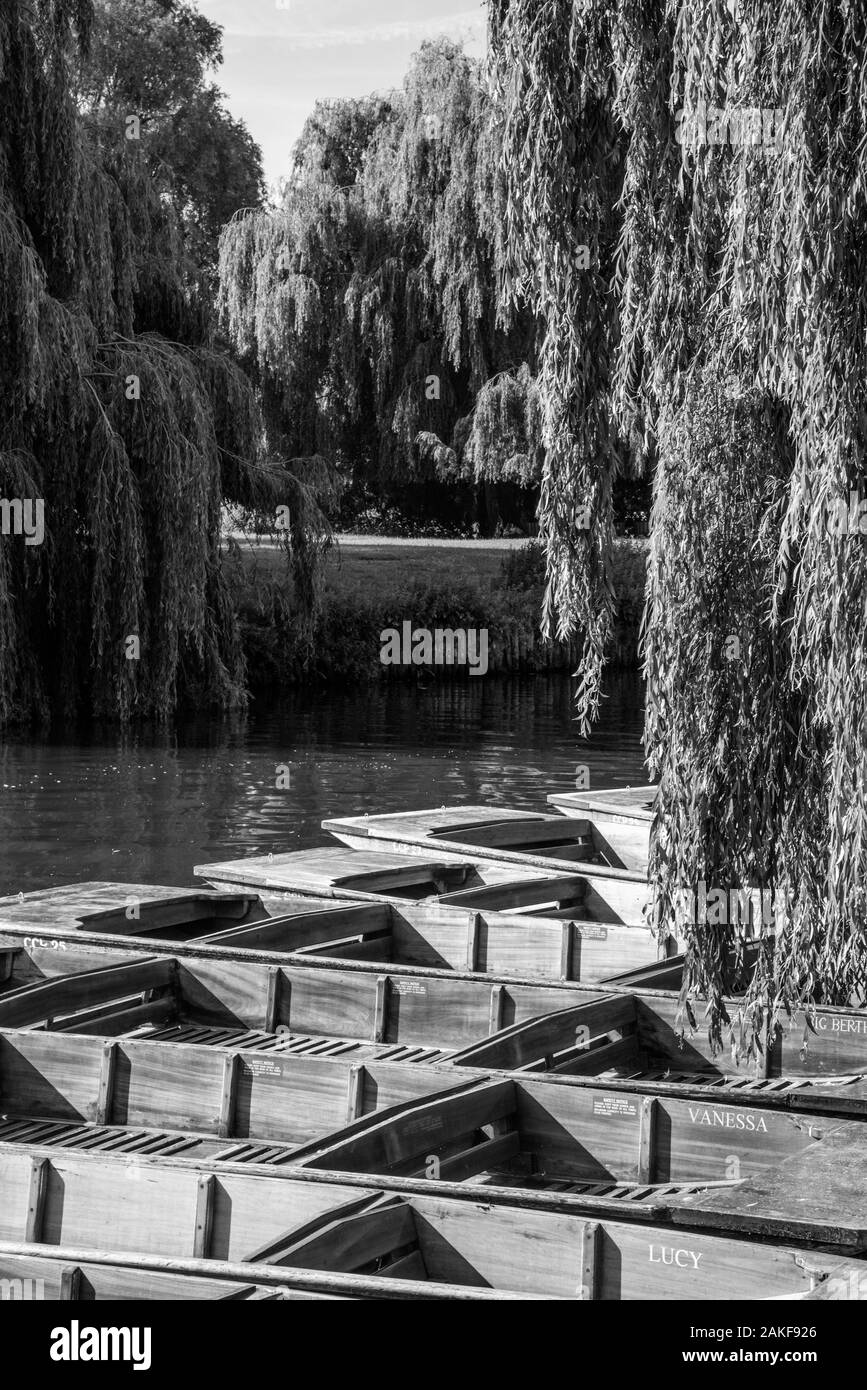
(366, 305)
(336, 137)
(153, 59)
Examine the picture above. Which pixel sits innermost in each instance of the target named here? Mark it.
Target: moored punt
(392, 931)
(181, 1098)
(99, 984)
(527, 840)
(336, 871)
(179, 1209)
(622, 815)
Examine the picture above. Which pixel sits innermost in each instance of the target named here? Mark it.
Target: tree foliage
(366, 304)
(732, 336)
(153, 59)
(118, 413)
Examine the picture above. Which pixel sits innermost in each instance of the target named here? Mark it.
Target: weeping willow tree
(366, 305)
(730, 341)
(119, 416)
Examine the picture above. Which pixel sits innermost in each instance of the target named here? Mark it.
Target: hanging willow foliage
(736, 342)
(562, 157)
(118, 414)
(366, 305)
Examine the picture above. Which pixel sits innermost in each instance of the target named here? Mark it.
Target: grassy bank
(372, 584)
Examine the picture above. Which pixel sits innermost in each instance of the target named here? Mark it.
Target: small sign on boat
(614, 1105)
(262, 1066)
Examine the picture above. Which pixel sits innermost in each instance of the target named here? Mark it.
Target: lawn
(377, 567)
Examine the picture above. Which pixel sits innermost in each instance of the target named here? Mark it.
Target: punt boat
(159, 1096)
(104, 984)
(622, 815)
(393, 931)
(365, 874)
(526, 839)
(301, 1220)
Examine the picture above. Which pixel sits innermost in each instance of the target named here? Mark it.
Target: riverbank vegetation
(368, 588)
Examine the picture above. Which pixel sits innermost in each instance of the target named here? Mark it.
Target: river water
(145, 807)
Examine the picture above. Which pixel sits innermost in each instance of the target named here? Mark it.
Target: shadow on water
(146, 806)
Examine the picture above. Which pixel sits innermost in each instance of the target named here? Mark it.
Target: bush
(524, 568)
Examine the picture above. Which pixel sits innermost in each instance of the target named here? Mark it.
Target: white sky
(280, 56)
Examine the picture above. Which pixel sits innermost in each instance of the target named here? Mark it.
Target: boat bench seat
(456, 1135)
(104, 1001)
(373, 1235)
(602, 1033)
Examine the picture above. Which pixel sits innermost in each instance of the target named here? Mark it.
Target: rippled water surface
(144, 808)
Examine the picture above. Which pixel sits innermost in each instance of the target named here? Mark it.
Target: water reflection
(145, 807)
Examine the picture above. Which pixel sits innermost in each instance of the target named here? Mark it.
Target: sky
(281, 56)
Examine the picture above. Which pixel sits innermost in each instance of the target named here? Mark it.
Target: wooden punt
(337, 872)
(177, 1208)
(528, 840)
(490, 888)
(164, 1096)
(392, 931)
(623, 815)
(100, 984)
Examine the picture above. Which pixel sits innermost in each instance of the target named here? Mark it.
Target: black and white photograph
(433, 671)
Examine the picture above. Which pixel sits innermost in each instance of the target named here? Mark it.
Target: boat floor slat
(94, 1138)
(255, 1153)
